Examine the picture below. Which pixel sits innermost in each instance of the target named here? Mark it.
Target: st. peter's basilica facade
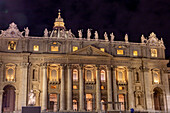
(69, 73)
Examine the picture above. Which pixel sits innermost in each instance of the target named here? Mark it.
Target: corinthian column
(81, 89)
(1, 99)
(98, 92)
(130, 89)
(109, 88)
(114, 87)
(44, 87)
(62, 96)
(24, 84)
(69, 89)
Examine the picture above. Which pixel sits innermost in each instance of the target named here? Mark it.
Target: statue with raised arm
(69, 33)
(80, 33)
(26, 31)
(112, 37)
(126, 38)
(45, 32)
(143, 39)
(88, 34)
(106, 37)
(31, 99)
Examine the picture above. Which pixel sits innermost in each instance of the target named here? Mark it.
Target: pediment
(90, 51)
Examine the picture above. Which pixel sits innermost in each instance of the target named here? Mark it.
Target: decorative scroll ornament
(153, 40)
(12, 31)
(89, 51)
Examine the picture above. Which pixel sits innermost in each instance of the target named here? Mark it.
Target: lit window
(153, 52)
(120, 47)
(36, 48)
(135, 53)
(122, 99)
(102, 76)
(103, 105)
(156, 77)
(102, 49)
(75, 75)
(53, 87)
(102, 87)
(120, 73)
(10, 72)
(120, 52)
(75, 48)
(120, 88)
(54, 48)
(12, 45)
(75, 105)
(75, 87)
(89, 102)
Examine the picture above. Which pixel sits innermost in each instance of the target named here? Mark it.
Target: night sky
(134, 17)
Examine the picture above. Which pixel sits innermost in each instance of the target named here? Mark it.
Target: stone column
(1, 99)
(147, 81)
(114, 87)
(62, 95)
(1, 72)
(69, 89)
(16, 99)
(81, 89)
(98, 92)
(109, 88)
(23, 81)
(130, 89)
(44, 87)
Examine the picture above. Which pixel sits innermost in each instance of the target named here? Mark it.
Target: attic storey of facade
(69, 73)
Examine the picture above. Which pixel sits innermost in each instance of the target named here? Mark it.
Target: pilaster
(98, 92)
(114, 87)
(44, 87)
(62, 95)
(69, 89)
(1, 99)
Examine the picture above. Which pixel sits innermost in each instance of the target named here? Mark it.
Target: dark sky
(134, 17)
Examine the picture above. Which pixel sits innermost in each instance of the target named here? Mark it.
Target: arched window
(53, 75)
(75, 75)
(10, 72)
(121, 74)
(89, 75)
(156, 77)
(103, 76)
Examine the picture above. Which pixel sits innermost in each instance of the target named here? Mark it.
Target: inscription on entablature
(36, 59)
(55, 60)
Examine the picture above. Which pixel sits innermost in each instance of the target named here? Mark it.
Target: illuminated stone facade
(68, 73)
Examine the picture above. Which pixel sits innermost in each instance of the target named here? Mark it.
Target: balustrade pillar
(109, 88)
(98, 92)
(44, 87)
(62, 95)
(81, 89)
(69, 89)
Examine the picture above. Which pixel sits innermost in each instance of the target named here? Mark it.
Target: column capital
(81, 66)
(69, 66)
(144, 68)
(97, 66)
(44, 65)
(24, 64)
(108, 67)
(62, 66)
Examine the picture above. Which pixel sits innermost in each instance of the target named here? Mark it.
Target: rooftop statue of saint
(62, 32)
(45, 32)
(69, 34)
(26, 31)
(88, 34)
(96, 35)
(31, 99)
(112, 37)
(80, 33)
(106, 37)
(143, 39)
(126, 38)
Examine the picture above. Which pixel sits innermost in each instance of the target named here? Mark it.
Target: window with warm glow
(120, 52)
(75, 87)
(75, 105)
(53, 74)
(153, 52)
(75, 75)
(75, 48)
(103, 76)
(36, 48)
(54, 48)
(135, 53)
(122, 99)
(10, 72)
(120, 73)
(121, 88)
(103, 105)
(156, 77)
(120, 47)
(102, 49)
(89, 75)
(89, 102)
(102, 87)
(12, 45)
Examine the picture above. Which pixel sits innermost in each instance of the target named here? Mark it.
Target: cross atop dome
(59, 22)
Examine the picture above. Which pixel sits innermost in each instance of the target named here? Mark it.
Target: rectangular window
(102, 49)
(75, 87)
(11, 45)
(120, 52)
(135, 53)
(54, 48)
(75, 48)
(153, 52)
(36, 48)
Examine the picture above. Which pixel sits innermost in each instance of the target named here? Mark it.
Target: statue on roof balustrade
(88, 34)
(96, 35)
(112, 37)
(80, 33)
(106, 37)
(143, 39)
(45, 32)
(126, 38)
(26, 31)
